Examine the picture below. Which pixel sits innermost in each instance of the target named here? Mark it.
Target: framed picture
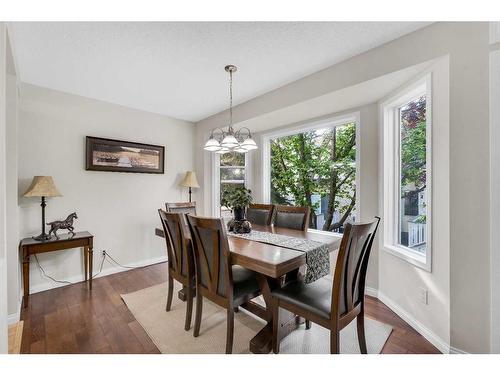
(111, 155)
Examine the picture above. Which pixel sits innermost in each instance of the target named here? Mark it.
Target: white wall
(120, 209)
(399, 281)
(3, 268)
(466, 43)
(495, 183)
(13, 265)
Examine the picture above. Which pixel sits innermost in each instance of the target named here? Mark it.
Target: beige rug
(166, 329)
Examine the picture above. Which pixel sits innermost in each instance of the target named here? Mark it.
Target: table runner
(317, 254)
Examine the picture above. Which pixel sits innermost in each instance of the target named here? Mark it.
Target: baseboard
(372, 292)
(457, 351)
(13, 318)
(434, 339)
(106, 271)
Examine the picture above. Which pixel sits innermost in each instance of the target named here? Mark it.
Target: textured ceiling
(177, 69)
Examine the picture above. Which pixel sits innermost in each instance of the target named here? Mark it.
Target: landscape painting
(112, 155)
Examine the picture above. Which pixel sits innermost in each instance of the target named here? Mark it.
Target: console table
(29, 246)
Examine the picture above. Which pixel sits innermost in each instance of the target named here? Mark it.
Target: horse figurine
(63, 224)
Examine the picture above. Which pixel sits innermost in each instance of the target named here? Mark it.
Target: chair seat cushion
(315, 297)
(245, 286)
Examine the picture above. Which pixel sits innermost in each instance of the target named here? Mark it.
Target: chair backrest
(261, 214)
(180, 256)
(211, 253)
(350, 271)
(181, 207)
(292, 217)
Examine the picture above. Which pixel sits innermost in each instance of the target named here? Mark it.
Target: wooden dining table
(273, 265)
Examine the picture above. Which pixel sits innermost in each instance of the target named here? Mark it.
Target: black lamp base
(42, 237)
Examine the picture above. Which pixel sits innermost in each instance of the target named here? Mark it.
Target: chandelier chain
(230, 100)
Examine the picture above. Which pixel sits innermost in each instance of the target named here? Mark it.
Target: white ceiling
(177, 69)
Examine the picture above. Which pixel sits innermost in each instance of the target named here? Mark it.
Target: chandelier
(224, 141)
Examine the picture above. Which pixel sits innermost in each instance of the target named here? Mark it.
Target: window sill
(409, 256)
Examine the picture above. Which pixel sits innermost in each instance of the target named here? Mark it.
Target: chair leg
(360, 322)
(197, 318)
(276, 323)
(308, 324)
(170, 293)
(334, 342)
(230, 330)
(189, 308)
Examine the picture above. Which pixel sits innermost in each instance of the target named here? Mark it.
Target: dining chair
(217, 279)
(292, 217)
(260, 214)
(181, 207)
(333, 305)
(180, 260)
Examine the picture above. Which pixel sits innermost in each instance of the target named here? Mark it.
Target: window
(231, 169)
(315, 166)
(407, 174)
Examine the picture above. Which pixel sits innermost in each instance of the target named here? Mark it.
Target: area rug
(166, 329)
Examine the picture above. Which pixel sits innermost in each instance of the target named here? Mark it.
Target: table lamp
(42, 186)
(190, 182)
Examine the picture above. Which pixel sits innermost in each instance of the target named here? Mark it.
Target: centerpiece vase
(240, 224)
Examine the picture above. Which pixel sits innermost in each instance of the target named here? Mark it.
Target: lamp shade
(42, 186)
(222, 151)
(240, 149)
(212, 145)
(249, 144)
(190, 180)
(229, 141)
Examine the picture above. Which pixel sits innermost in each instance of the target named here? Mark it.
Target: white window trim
(216, 180)
(390, 159)
(303, 127)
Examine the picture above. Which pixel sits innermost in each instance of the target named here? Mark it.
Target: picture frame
(112, 155)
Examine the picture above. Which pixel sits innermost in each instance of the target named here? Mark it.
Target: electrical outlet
(424, 296)
(104, 253)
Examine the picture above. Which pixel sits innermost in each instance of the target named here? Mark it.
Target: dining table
(273, 266)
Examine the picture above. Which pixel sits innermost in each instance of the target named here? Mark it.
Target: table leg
(26, 280)
(91, 261)
(262, 342)
(86, 261)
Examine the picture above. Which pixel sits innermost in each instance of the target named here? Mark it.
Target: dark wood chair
(333, 305)
(261, 214)
(227, 285)
(292, 217)
(180, 260)
(181, 207)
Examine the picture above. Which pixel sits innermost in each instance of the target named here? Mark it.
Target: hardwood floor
(15, 335)
(71, 319)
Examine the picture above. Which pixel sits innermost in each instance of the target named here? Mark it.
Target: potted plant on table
(237, 199)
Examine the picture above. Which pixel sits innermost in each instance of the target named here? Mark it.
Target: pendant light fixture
(221, 141)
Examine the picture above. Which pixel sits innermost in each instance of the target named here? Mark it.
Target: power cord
(105, 254)
(103, 258)
(47, 276)
(44, 274)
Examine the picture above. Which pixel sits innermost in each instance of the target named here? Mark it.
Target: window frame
(216, 167)
(391, 172)
(326, 122)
